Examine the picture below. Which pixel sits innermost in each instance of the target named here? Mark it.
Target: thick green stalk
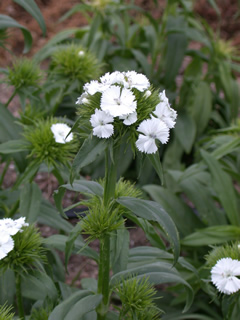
(19, 296)
(104, 255)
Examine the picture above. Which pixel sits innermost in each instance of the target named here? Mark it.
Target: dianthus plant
(121, 108)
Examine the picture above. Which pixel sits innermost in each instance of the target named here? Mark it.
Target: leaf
(85, 186)
(13, 146)
(156, 163)
(58, 241)
(202, 106)
(46, 50)
(91, 148)
(184, 218)
(38, 285)
(143, 61)
(119, 250)
(223, 185)
(152, 211)
(62, 309)
(157, 273)
(31, 7)
(185, 130)
(212, 235)
(8, 22)
(83, 306)
(7, 287)
(28, 174)
(30, 200)
(95, 23)
(176, 47)
(48, 215)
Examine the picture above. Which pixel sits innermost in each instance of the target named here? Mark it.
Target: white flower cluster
(9, 228)
(224, 275)
(60, 132)
(118, 100)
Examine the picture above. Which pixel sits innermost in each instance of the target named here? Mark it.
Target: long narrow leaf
(31, 7)
(153, 211)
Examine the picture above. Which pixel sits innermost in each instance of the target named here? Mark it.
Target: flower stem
(104, 255)
(19, 296)
(10, 99)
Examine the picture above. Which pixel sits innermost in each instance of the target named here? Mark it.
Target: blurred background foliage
(178, 51)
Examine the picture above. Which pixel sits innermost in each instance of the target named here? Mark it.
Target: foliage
(196, 205)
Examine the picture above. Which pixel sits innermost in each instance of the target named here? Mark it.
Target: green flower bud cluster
(50, 143)
(75, 63)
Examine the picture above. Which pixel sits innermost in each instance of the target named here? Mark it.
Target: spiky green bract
(40, 313)
(24, 73)
(75, 63)
(126, 188)
(101, 220)
(43, 146)
(5, 312)
(137, 297)
(28, 251)
(226, 251)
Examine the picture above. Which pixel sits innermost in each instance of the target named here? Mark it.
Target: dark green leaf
(212, 235)
(30, 199)
(31, 7)
(91, 148)
(8, 22)
(223, 185)
(152, 211)
(156, 163)
(185, 131)
(13, 146)
(85, 305)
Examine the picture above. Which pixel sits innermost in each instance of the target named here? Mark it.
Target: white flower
(164, 112)
(129, 118)
(147, 94)
(152, 129)
(6, 244)
(101, 123)
(81, 53)
(83, 99)
(115, 77)
(117, 101)
(224, 275)
(136, 80)
(60, 132)
(95, 86)
(11, 226)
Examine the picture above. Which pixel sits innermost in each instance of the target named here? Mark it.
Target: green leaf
(212, 235)
(47, 50)
(7, 287)
(85, 305)
(13, 146)
(176, 47)
(30, 200)
(28, 174)
(38, 285)
(58, 241)
(96, 22)
(61, 310)
(184, 218)
(8, 22)
(48, 215)
(85, 186)
(185, 130)
(157, 273)
(91, 148)
(143, 61)
(224, 187)
(31, 7)
(202, 106)
(156, 163)
(119, 250)
(152, 211)
(215, 7)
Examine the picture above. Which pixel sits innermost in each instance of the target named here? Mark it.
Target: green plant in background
(5, 313)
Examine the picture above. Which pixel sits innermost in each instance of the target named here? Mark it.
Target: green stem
(104, 255)
(19, 296)
(10, 99)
